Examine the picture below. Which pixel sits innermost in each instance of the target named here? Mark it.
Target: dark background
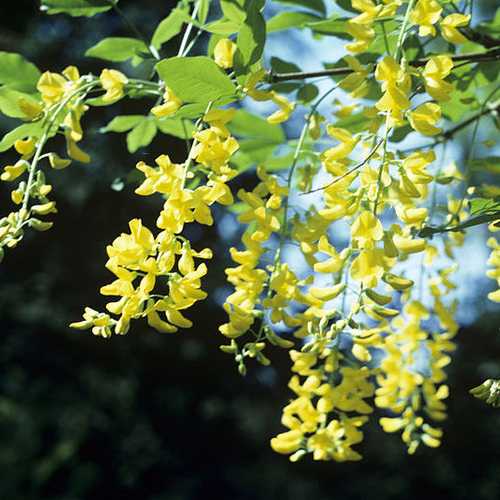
(167, 417)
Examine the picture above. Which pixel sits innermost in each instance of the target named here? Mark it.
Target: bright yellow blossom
(449, 27)
(426, 14)
(112, 82)
(224, 51)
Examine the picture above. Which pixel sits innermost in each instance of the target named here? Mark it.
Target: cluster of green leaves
(18, 79)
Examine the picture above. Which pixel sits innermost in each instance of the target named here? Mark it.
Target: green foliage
(9, 102)
(286, 20)
(259, 139)
(195, 79)
(489, 164)
(17, 72)
(77, 8)
(169, 27)
(122, 123)
(117, 49)
(143, 129)
(233, 11)
(334, 26)
(141, 134)
(21, 132)
(251, 37)
(315, 5)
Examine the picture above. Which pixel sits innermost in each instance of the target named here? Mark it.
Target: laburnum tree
(365, 195)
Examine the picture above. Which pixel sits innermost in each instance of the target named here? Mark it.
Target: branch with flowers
(350, 311)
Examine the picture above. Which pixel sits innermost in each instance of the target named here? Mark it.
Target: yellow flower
(74, 152)
(286, 108)
(170, 106)
(134, 248)
(12, 172)
(212, 150)
(396, 84)
(415, 166)
(363, 36)
(367, 229)
(224, 52)
(449, 27)
(435, 71)
(368, 267)
(113, 82)
(334, 263)
(287, 442)
(426, 14)
(164, 179)
(344, 149)
(218, 119)
(51, 86)
(25, 147)
(99, 322)
(356, 82)
(425, 117)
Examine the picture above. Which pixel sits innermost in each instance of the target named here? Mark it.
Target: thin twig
(349, 172)
(491, 55)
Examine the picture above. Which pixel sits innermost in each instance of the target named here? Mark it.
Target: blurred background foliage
(146, 416)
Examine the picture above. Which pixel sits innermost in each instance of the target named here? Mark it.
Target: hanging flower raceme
(494, 262)
(143, 264)
(396, 85)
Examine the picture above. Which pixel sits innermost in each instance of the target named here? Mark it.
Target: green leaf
(141, 135)
(251, 38)
(480, 206)
(355, 123)
(195, 79)
(333, 26)
(260, 139)
(252, 152)
(307, 93)
(177, 127)
(392, 34)
(489, 164)
(315, 5)
(223, 27)
(203, 10)
(77, 7)
(122, 123)
(492, 27)
(346, 5)
(17, 72)
(281, 66)
(250, 126)
(400, 133)
(9, 102)
(22, 132)
(233, 11)
(285, 20)
(168, 28)
(117, 49)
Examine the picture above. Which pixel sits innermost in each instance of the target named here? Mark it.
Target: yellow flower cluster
(427, 13)
(494, 262)
(325, 417)
(285, 107)
(355, 313)
(60, 108)
(143, 264)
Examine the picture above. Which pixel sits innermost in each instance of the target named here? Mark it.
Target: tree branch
(430, 231)
(489, 55)
(448, 134)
